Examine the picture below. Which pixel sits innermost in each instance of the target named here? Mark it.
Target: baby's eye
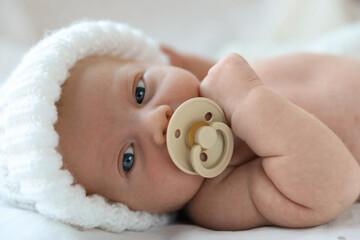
(140, 91)
(128, 159)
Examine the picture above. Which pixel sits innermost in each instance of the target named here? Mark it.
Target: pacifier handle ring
(225, 157)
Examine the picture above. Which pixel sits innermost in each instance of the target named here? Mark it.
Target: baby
(289, 168)
(295, 122)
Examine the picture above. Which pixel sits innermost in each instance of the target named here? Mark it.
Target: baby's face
(113, 116)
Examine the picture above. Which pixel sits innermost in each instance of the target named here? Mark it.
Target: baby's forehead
(103, 67)
(95, 72)
(91, 61)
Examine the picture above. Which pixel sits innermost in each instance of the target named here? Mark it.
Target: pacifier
(198, 139)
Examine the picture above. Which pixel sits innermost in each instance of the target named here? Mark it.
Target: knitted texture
(30, 167)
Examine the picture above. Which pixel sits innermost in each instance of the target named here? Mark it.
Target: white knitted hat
(30, 167)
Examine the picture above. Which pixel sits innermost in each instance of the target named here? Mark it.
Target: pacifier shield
(189, 128)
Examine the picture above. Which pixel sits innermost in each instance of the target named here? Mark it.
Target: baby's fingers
(236, 67)
(229, 81)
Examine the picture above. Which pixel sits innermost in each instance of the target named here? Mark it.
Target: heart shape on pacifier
(198, 139)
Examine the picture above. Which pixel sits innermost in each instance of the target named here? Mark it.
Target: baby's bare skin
(288, 169)
(304, 176)
(326, 86)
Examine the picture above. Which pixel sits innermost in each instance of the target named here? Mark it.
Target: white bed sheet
(21, 224)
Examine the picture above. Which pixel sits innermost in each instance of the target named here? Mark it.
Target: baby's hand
(228, 82)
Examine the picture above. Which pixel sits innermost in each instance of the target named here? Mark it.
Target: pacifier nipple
(206, 137)
(198, 139)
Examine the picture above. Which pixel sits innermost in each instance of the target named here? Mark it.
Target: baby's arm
(304, 175)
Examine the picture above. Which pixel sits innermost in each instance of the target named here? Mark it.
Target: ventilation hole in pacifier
(208, 116)
(177, 133)
(203, 157)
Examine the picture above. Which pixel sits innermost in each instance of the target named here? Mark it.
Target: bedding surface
(22, 224)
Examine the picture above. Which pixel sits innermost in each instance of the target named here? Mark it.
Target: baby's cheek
(185, 79)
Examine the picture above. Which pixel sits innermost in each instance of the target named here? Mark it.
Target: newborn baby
(296, 128)
(109, 93)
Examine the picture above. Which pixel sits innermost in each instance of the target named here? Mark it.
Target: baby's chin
(176, 201)
(184, 187)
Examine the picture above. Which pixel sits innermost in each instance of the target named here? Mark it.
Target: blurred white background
(210, 28)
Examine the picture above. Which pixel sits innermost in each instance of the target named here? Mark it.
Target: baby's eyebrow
(121, 83)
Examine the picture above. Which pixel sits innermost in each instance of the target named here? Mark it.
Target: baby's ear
(176, 59)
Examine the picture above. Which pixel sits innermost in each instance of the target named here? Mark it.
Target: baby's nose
(158, 122)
